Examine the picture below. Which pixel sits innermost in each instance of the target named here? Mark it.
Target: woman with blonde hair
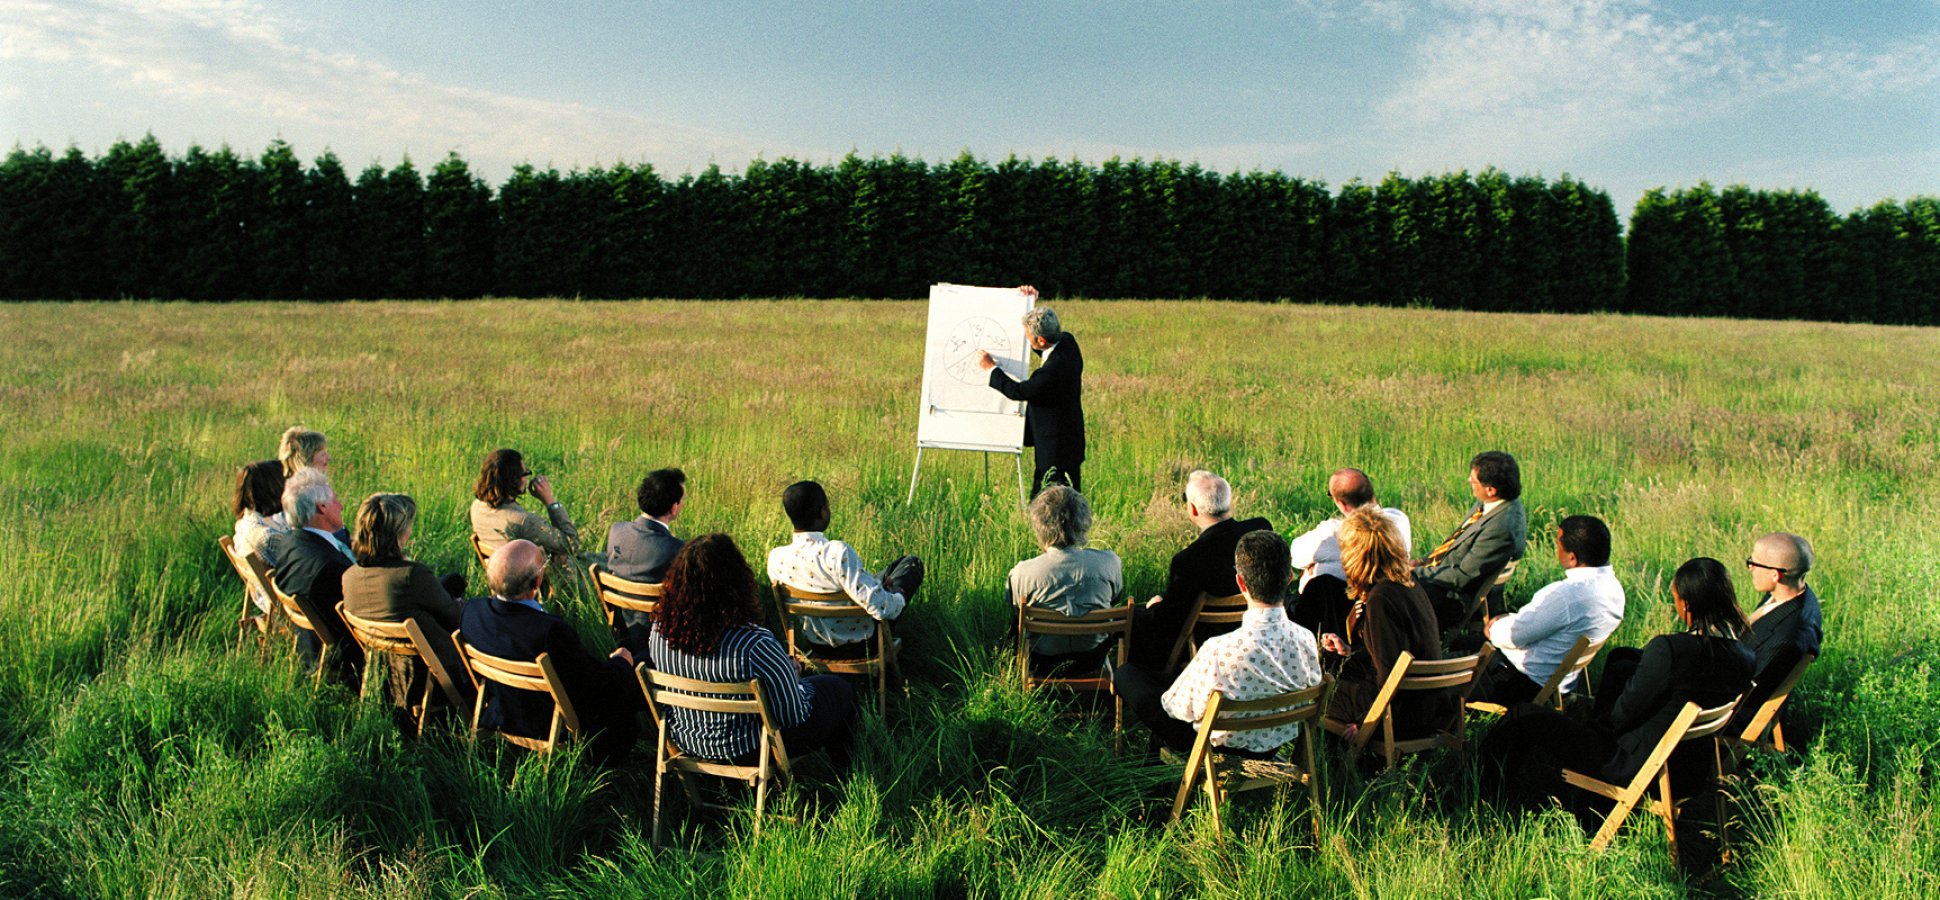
(387, 586)
(1390, 615)
(302, 448)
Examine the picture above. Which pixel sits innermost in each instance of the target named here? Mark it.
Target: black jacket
(603, 690)
(1777, 642)
(1675, 669)
(1204, 566)
(1054, 420)
(309, 567)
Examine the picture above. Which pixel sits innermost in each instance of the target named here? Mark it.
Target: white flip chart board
(960, 411)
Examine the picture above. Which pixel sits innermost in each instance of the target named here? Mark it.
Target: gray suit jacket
(1480, 549)
(640, 550)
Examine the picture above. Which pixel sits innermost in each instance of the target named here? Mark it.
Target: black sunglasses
(1758, 565)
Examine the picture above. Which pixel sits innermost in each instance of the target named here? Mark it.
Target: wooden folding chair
(511, 674)
(772, 763)
(478, 550)
(793, 603)
(1114, 622)
(403, 639)
(1226, 775)
(1764, 730)
(1206, 610)
(298, 612)
(1409, 674)
(1576, 660)
(618, 595)
(1479, 598)
(1691, 724)
(255, 580)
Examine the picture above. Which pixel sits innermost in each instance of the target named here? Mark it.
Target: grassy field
(145, 755)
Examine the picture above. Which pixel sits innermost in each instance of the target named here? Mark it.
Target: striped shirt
(746, 652)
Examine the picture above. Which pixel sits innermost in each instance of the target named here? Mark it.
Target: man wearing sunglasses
(1787, 624)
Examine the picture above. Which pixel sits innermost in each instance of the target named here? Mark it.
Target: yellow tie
(1449, 544)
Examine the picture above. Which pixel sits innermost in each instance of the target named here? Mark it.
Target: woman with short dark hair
(707, 627)
(258, 507)
(1641, 693)
(497, 517)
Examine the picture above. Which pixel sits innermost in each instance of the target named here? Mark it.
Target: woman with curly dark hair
(707, 627)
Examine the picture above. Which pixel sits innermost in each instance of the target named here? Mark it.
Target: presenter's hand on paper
(984, 361)
(1027, 291)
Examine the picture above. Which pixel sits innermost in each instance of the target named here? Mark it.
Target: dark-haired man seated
(511, 624)
(1496, 531)
(640, 550)
(1268, 654)
(1532, 641)
(811, 562)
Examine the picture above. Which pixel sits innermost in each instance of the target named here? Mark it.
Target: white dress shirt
(812, 562)
(1317, 552)
(1268, 654)
(1588, 602)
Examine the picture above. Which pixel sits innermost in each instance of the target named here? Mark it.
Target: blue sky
(1840, 97)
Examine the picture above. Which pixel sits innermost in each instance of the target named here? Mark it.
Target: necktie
(1449, 544)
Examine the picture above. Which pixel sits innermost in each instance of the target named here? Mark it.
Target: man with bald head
(1204, 567)
(1786, 625)
(1322, 602)
(512, 624)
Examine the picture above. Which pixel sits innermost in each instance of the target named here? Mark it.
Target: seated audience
(1494, 533)
(497, 517)
(386, 586)
(1532, 641)
(812, 562)
(1204, 566)
(311, 562)
(258, 505)
(1787, 625)
(706, 627)
(1640, 695)
(512, 624)
(1322, 605)
(1266, 655)
(1390, 615)
(1067, 577)
(640, 550)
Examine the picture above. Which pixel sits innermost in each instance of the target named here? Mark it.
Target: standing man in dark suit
(1054, 420)
(640, 550)
(1496, 531)
(311, 562)
(1787, 625)
(1205, 566)
(511, 624)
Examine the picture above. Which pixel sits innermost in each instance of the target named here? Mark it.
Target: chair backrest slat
(638, 596)
(1221, 610)
(1710, 721)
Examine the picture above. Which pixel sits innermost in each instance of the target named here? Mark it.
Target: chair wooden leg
(1212, 794)
(1778, 736)
(659, 785)
(761, 791)
(1313, 778)
(1612, 823)
(1666, 809)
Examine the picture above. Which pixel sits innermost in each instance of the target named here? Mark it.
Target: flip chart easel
(959, 411)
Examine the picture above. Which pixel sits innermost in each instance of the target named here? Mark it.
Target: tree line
(215, 225)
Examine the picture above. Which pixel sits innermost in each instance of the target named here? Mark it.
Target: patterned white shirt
(1268, 654)
(1317, 552)
(1587, 602)
(812, 562)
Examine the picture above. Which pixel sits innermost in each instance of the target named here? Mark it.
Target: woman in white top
(258, 506)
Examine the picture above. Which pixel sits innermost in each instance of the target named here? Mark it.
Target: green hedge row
(136, 222)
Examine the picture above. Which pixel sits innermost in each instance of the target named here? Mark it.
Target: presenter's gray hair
(1209, 492)
(307, 490)
(1060, 517)
(1042, 322)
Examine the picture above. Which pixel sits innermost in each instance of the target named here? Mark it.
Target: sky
(1838, 97)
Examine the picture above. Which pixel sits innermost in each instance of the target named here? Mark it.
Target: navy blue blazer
(1054, 419)
(1777, 641)
(308, 566)
(600, 688)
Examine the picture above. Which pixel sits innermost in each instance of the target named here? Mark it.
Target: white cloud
(238, 56)
(1535, 81)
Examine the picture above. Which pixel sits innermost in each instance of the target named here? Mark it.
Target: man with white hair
(1054, 419)
(311, 562)
(1205, 566)
(1322, 602)
(512, 624)
(1787, 625)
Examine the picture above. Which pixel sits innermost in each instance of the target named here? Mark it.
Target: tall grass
(145, 754)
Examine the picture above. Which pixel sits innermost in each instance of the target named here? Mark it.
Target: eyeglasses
(1755, 564)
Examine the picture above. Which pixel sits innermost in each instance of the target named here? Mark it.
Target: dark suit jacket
(397, 590)
(604, 691)
(1397, 618)
(310, 567)
(1204, 566)
(1480, 549)
(640, 550)
(1675, 669)
(1777, 641)
(1054, 420)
